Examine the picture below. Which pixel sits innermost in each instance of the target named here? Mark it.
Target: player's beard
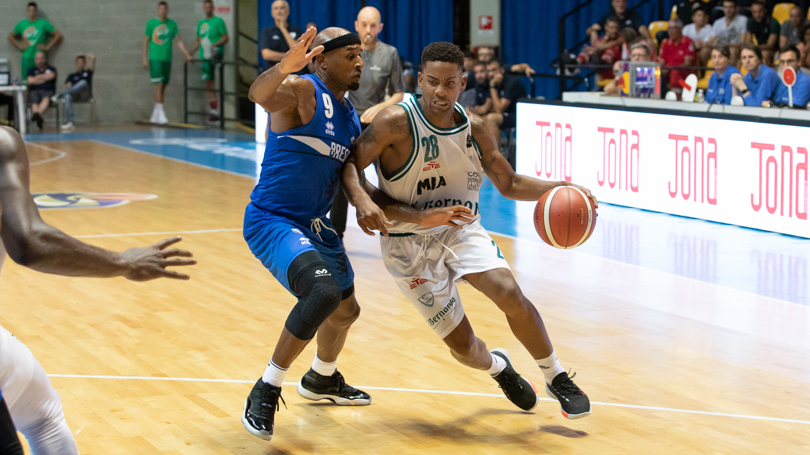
(354, 86)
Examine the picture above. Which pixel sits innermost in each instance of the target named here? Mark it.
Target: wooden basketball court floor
(672, 364)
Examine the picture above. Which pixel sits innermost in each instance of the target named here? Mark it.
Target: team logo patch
(86, 200)
(426, 299)
(417, 282)
(473, 181)
(322, 272)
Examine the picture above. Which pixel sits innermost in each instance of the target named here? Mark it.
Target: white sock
(159, 106)
(213, 111)
(498, 364)
(274, 374)
(324, 368)
(551, 366)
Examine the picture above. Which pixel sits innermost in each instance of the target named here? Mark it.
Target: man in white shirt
(730, 29)
(701, 34)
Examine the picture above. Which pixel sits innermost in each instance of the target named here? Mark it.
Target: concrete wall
(113, 30)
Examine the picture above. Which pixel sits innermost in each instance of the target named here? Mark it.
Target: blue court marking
(758, 262)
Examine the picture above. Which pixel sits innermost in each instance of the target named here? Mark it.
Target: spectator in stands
(278, 38)
(469, 69)
(761, 83)
(504, 91)
(631, 37)
(789, 57)
(677, 50)
(482, 104)
(730, 29)
(79, 87)
(212, 36)
(41, 87)
(31, 36)
(791, 27)
(805, 50)
(485, 53)
(701, 34)
(161, 33)
(639, 52)
(686, 10)
(605, 49)
(626, 18)
(765, 29)
(720, 91)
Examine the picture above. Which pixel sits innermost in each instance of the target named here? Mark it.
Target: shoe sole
(509, 360)
(340, 401)
(250, 429)
(562, 411)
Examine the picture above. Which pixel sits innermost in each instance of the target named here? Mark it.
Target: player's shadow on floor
(472, 430)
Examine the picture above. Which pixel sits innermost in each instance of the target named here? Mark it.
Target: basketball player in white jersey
(26, 393)
(430, 154)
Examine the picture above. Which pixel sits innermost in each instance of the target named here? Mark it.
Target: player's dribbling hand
(457, 217)
(297, 57)
(587, 192)
(149, 263)
(371, 218)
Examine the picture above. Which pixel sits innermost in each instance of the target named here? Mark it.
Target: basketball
(564, 217)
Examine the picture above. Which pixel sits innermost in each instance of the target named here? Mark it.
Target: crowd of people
(743, 48)
(35, 37)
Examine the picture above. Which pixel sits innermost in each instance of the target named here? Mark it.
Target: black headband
(341, 41)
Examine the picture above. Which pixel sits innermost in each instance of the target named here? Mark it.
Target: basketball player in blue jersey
(28, 401)
(430, 153)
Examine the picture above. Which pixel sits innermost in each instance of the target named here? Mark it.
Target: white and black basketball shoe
(315, 387)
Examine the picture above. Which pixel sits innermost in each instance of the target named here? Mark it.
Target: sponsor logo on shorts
(322, 272)
(305, 241)
(417, 282)
(426, 299)
(440, 315)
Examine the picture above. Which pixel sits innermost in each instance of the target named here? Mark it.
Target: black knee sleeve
(318, 295)
(9, 443)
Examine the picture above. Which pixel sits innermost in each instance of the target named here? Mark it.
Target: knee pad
(319, 297)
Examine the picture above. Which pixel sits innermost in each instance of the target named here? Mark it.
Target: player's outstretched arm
(269, 90)
(375, 208)
(35, 244)
(510, 185)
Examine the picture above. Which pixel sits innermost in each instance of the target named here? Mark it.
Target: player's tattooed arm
(33, 243)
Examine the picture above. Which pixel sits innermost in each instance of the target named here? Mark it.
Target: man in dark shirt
(41, 87)
(79, 87)
(277, 39)
(627, 18)
(483, 101)
(765, 29)
(504, 91)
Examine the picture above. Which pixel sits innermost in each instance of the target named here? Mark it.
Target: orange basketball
(564, 217)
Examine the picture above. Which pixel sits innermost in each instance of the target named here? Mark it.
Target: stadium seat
(674, 12)
(704, 81)
(655, 27)
(781, 11)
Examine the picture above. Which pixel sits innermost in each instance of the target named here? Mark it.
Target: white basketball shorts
(427, 267)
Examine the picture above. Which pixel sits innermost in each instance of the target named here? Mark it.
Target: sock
(551, 366)
(159, 107)
(324, 368)
(274, 374)
(498, 364)
(213, 111)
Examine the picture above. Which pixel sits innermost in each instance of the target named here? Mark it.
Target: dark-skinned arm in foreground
(33, 243)
(375, 208)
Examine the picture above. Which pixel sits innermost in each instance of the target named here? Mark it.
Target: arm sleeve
(515, 90)
(801, 94)
(18, 29)
(263, 40)
(775, 28)
(729, 92)
(148, 31)
(396, 83)
(175, 30)
(750, 27)
(223, 29)
(48, 27)
(711, 91)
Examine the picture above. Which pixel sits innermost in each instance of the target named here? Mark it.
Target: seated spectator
(789, 57)
(804, 48)
(677, 50)
(686, 11)
(278, 38)
(604, 49)
(761, 83)
(701, 34)
(631, 37)
(480, 103)
(639, 52)
(730, 29)
(487, 53)
(765, 29)
(791, 27)
(626, 17)
(41, 87)
(720, 91)
(79, 87)
(504, 91)
(469, 63)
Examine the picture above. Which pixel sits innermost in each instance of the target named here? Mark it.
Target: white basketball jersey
(443, 169)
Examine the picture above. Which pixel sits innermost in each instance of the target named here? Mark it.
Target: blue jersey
(301, 167)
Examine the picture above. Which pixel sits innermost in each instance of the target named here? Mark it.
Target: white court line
(59, 154)
(133, 234)
(443, 392)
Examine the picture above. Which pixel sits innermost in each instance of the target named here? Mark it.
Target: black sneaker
(38, 120)
(519, 390)
(573, 401)
(260, 408)
(314, 386)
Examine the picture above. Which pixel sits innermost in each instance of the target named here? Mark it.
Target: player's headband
(341, 41)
